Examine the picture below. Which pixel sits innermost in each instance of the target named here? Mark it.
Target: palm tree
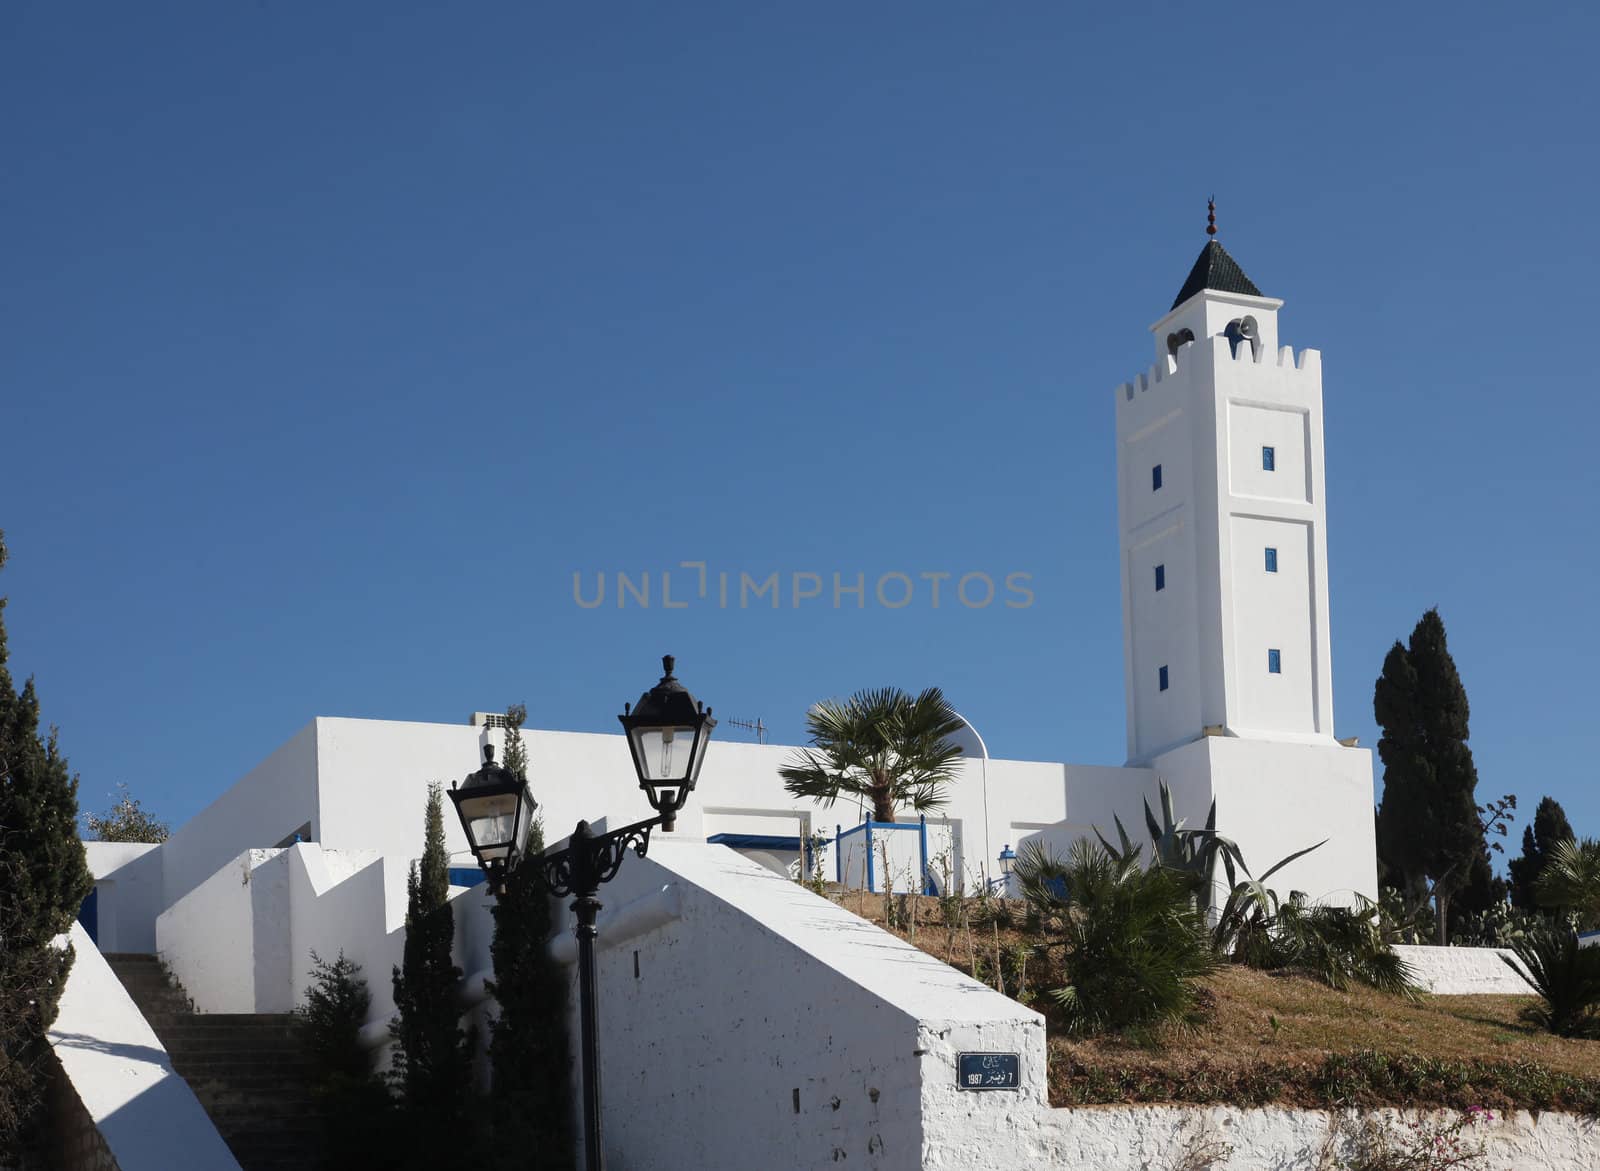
(883, 745)
(1571, 879)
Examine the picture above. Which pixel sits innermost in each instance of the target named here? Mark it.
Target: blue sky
(338, 338)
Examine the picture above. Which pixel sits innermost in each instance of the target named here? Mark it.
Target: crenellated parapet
(1172, 369)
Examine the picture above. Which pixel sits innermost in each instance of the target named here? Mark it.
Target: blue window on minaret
(1155, 478)
(1161, 577)
(1272, 560)
(1274, 662)
(1269, 459)
(1163, 676)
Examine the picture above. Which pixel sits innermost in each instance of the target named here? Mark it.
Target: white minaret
(1223, 525)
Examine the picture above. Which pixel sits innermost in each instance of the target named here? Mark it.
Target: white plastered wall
(1276, 798)
(128, 885)
(1205, 417)
(827, 1039)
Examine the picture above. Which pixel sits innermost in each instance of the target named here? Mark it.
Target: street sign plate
(988, 1071)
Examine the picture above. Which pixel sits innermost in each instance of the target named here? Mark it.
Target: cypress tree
(1428, 825)
(529, 1053)
(432, 1054)
(44, 879)
(355, 1104)
(1549, 826)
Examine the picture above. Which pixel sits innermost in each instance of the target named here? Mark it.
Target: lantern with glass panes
(1008, 863)
(667, 733)
(496, 810)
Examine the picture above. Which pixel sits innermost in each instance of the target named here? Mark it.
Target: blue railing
(867, 827)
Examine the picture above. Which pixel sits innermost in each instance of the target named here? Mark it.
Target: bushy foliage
(1415, 1144)
(529, 1051)
(1503, 924)
(1549, 826)
(1340, 946)
(128, 821)
(1361, 1078)
(883, 745)
(1565, 977)
(1130, 940)
(1253, 925)
(355, 1105)
(1570, 880)
(44, 879)
(432, 1064)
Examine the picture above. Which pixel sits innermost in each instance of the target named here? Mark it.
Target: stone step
(250, 1071)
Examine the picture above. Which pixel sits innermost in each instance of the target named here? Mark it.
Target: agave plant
(1189, 853)
(1244, 922)
(1565, 977)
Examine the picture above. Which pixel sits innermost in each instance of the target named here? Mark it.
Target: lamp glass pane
(524, 822)
(699, 756)
(664, 754)
(491, 823)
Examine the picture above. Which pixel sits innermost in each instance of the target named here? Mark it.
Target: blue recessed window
(1272, 560)
(1155, 478)
(1163, 676)
(1161, 577)
(1274, 662)
(1269, 459)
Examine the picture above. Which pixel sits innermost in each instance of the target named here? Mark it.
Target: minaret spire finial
(1211, 217)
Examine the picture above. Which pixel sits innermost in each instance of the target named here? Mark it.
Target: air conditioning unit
(489, 720)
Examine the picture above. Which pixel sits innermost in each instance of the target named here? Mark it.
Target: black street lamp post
(667, 733)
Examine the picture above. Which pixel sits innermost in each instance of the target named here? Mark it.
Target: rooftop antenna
(755, 726)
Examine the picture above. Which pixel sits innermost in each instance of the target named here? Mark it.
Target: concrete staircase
(250, 1071)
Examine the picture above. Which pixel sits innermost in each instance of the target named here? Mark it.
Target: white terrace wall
(1142, 1138)
(243, 940)
(362, 785)
(147, 1115)
(261, 809)
(128, 894)
(1465, 971)
(228, 941)
(767, 1027)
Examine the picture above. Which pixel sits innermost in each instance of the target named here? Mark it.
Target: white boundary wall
(128, 894)
(1461, 971)
(768, 1027)
(1137, 1138)
(148, 1116)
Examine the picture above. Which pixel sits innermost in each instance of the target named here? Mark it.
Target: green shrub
(1566, 978)
(357, 1111)
(1339, 946)
(1130, 940)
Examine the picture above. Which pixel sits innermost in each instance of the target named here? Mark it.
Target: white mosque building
(1223, 514)
(1223, 518)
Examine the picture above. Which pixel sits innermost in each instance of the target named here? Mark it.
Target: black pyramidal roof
(1214, 269)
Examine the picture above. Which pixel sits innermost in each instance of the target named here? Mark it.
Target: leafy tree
(1549, 826)
(1429, 826)
(1131, 941)
(432, 1053)
(355, 1105)
(882, 745)
(128, 821)
(529, 1050)
(43, 881)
